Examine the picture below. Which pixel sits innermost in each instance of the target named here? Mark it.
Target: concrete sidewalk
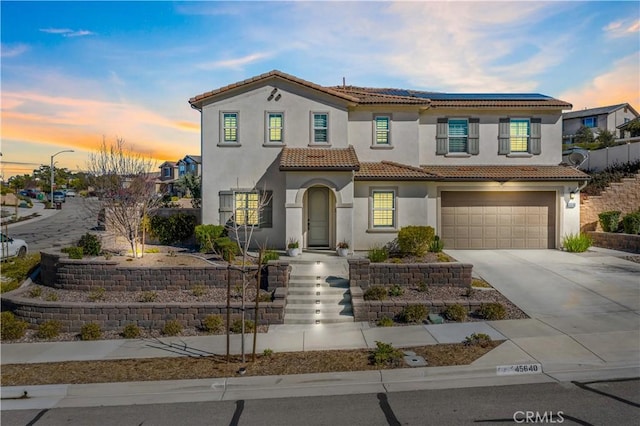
(38, 208)
(584, 325)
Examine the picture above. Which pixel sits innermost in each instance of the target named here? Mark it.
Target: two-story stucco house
(610, 118)
(357, 164)
(190, 164)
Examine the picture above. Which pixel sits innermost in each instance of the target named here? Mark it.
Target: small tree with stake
(121, 179)
(248, 210)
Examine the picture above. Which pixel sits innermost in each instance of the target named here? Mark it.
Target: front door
(318, 214)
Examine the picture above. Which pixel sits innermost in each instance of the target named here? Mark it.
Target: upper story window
(520, 136)
(230, 127)
(167, 172)
(382, 130)
(458, 136)
(275, 127)
(320, 127)
(383, 209)
(182, 169)
(193, 167)
(590, 122)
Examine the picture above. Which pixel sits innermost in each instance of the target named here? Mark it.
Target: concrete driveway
(553, 283)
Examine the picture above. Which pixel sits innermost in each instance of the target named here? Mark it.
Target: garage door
(498, 220)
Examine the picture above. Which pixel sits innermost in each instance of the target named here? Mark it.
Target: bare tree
(248, 210)
(122, 181)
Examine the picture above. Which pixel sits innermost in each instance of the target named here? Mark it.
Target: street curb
(286, 386)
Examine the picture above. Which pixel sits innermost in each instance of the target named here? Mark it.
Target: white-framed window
(381, 130)
(319, 127)
(246, 208)
(229, 127)
(458, 134)
(250, 208)
(590, 122)
(275, 127)
(519, 134)
(383, 208)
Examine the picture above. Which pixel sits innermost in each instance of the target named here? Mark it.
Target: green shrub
(206, 236)
(378, 254)
(213, 324)
(49, 329)
(576, 243)
(396, 291)
(455, 313)
(415, 240)
(11, 328)
(172, 328)
(236, 326)
(614, 173)
(423, 287)
(51, 297)
(227, 248)
(385, 354)
(96, 294)
(442, 257)
(90, 244)
(174, 229)
(15, 271)
(492, 311)
(148, 297)
(376, 292)
(436, 245)
(90, 331)
(269, 255)
(267, 352)
(414, 314)
(75, 252)
(131, 331)
(631, 223)
(609, 220)
(477, 339)
(385, 322)
(35, 291)
(199, 290)
(265, 297)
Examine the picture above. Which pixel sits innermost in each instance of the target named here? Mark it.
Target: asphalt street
(584, 403)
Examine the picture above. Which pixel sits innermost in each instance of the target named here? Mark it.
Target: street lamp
(59, 152)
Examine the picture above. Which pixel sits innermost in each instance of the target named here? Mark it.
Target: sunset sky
(75, 72)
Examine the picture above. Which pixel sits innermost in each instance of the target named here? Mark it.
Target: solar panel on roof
(483, 96)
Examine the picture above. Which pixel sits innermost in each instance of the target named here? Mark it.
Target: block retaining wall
(60, 272)
(363, 274)
(374, 310)
(615, 241)
(114, 316)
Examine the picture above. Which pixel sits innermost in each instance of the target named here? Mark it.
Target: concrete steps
(318, 294)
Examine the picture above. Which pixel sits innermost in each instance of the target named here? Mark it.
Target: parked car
(71, 193)
(32, 193)
(12, 247)
(59, 197)
(24, 193)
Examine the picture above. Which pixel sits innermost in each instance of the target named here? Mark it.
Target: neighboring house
(190, 164)
(602, 118)
(357, 164)
(168, 175)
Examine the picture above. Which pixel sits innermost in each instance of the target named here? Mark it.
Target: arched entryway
(319, 217)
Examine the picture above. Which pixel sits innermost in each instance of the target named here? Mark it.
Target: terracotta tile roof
(506, 173)
(388, 170)
(197, 100)
(371, 96)
(293, 159)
